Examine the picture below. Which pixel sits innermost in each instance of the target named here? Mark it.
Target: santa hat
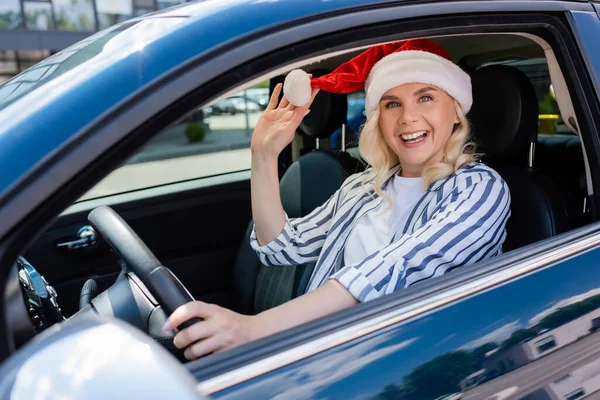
(384, 67)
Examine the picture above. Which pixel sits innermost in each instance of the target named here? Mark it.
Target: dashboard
(32, 304)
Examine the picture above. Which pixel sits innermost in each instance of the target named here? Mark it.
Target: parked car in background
(245, 103)
(96, 250)
(225, 106)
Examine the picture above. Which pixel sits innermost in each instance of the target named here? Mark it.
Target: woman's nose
(408, 116)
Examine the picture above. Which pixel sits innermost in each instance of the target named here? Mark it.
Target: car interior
(522, 121)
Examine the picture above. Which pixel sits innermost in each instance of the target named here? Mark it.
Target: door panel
(537, 338)
(195, 232)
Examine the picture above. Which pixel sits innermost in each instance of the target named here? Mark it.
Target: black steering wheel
(168, 291)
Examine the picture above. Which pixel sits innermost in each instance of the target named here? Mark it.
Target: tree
(479, 353)
(519, 336)
(440, 376)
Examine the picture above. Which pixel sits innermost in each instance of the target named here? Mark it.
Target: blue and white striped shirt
(459, 220)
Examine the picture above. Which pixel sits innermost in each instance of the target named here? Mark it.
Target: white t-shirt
(375, 230)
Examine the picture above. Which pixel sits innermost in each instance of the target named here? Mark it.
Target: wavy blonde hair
(459, 151)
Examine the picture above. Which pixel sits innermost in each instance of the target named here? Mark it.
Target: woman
(423, 207)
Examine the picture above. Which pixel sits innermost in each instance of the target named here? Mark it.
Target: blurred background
(31, 30)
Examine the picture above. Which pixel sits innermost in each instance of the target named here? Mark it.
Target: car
(243, 104)
(101, 237)
(225, 106)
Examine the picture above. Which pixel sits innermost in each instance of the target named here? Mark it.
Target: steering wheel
(168, 291)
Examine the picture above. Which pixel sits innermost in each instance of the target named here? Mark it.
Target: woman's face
(416, 120)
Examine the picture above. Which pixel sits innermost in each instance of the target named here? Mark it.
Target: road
(540, 372)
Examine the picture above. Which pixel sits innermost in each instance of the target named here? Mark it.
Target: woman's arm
(467, 227)
(277, 239)
(273, 132)
(222, 329)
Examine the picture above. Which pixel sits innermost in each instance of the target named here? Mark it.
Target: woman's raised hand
(277, 125)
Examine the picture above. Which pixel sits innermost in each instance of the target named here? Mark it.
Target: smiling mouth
(414, 137)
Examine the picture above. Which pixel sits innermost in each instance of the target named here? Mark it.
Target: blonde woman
(423, 208)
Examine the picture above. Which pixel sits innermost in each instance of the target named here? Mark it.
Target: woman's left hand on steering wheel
(219, 330)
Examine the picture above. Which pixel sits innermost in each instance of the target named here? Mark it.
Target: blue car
(121, 199)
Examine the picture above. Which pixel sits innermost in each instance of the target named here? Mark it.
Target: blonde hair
(459, 151)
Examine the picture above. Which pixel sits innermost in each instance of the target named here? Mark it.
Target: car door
(187, 197)
(534, 337)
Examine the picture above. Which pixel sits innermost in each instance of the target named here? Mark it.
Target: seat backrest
(504, 120)
(306, 184)
(569, 174)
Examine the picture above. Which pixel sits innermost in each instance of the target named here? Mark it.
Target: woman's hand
(220, 329)
(277, 125)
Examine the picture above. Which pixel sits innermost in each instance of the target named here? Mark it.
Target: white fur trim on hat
(415, 66)
(296, 88)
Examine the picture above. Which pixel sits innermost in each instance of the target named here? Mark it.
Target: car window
(209, 141)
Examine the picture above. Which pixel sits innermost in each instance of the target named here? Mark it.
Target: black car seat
(306, 184)
(569, 174)
(504, 119)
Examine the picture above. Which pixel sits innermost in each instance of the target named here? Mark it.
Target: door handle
(87, 238)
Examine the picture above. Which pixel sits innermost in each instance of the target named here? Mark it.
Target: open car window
(208, 141)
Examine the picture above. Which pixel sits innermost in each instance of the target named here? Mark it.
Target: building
(31, 30)
(544, 343)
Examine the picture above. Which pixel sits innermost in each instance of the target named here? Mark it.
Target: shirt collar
(390, 174)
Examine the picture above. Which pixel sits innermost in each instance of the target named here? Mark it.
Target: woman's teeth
(414, 137)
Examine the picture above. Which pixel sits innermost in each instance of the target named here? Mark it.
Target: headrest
(327, 112)
(504, 116)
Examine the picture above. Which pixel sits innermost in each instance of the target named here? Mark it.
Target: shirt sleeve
(468, 226)
(301, 239)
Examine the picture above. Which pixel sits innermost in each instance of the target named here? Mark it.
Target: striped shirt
(458, 221)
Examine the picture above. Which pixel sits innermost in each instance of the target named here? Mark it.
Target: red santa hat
(384, 67)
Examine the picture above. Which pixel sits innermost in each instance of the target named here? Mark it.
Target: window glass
(74, 15)
(576, 394)
(38, 15)
(142, 11)
(144, 4)
(545, 344)
(8, 63)
(210, 141)
(10, 14)
(111, 12)
(97, 45)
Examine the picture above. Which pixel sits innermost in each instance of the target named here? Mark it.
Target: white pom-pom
(296, 88)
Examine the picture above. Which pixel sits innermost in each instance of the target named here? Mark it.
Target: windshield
(129, 35)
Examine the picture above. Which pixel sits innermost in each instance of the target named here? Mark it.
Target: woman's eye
(392, 104)
(424, 99)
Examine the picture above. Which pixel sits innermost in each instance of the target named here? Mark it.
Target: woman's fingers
(284, 103)
(197, 331)
(220, 329)
(275, 97)
(186, 312)
(202, 347)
